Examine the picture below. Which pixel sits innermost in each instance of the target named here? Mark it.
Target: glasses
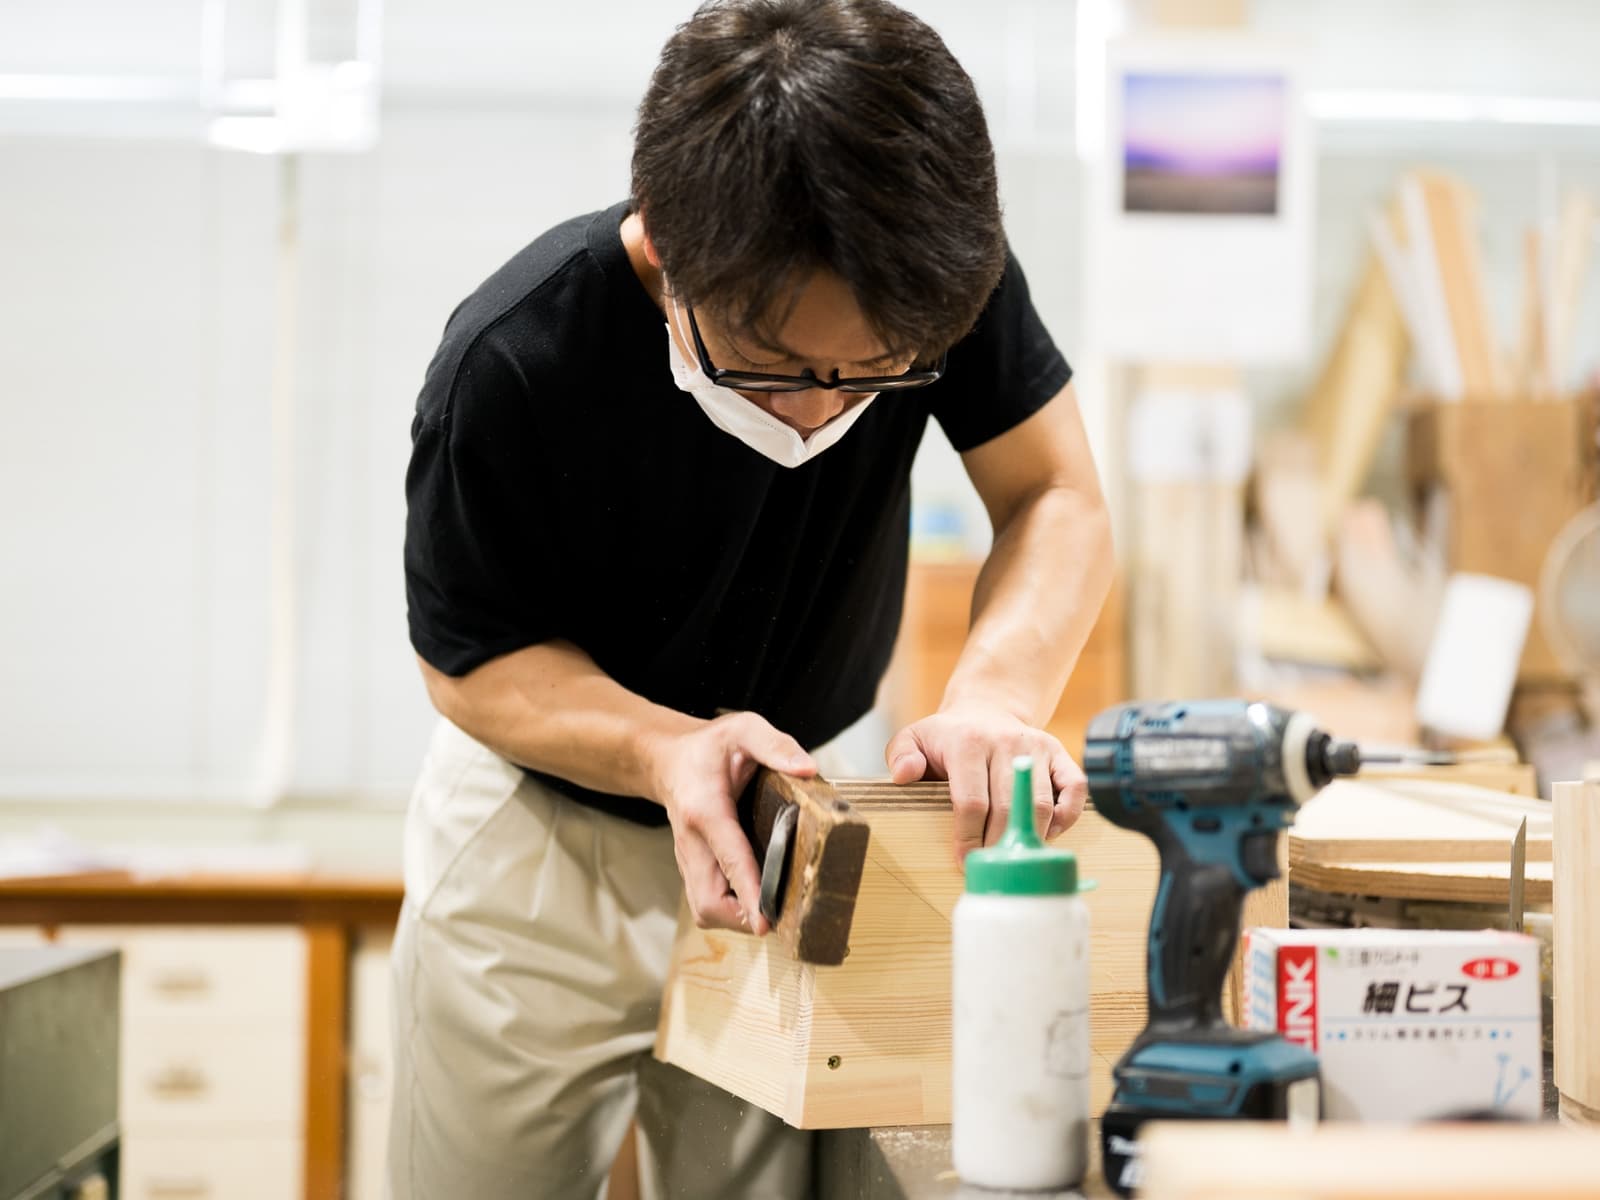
(761, 381)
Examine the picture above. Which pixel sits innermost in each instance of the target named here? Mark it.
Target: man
(661, 469)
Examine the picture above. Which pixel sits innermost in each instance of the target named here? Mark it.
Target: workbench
(330, 910)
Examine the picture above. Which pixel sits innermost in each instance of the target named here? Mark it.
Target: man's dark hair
(779, 137)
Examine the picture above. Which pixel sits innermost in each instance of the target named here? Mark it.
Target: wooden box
(868, 1042)
(1515, 471)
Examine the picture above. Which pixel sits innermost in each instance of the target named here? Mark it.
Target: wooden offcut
(1421, 840)
(826, 851)
(1451, 211)
(867, 1043)
(1349, 405)
(1575, 951)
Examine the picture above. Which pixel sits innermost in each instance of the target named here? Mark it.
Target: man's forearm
(549, 707)
(1036, 601)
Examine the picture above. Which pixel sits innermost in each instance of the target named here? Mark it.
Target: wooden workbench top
(272, 897)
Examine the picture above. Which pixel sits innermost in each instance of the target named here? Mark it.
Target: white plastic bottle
(1020, 1100)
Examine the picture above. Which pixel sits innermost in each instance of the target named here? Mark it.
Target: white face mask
(753, 425)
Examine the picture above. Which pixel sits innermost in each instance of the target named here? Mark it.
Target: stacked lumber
(1500, 455)
(1424, 839)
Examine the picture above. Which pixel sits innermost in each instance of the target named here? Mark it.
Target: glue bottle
(1020, 999)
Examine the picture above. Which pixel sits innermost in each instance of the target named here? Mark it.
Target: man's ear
(650, 254)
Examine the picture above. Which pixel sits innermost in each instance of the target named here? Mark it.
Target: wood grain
(1420, 839)
(1576, 948)
(868, 1043)
(1416, 820)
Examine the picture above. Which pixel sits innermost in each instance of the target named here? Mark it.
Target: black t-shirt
(562, 487)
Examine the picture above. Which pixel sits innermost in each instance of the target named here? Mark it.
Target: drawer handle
(179, 1083)
(182, 983)
(174, 1187)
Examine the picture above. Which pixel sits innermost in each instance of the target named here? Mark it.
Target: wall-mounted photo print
(1197, 142)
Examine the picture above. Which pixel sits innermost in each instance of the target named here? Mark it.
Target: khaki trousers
(528, 967)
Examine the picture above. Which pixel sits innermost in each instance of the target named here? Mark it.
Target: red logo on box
(1490, 968)
(1297, 995)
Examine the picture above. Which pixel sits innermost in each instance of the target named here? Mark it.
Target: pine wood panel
(1420, 840)
(1576, 949)
(1416, 820)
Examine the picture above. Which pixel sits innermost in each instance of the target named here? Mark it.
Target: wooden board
(1350, 403)
(1291, 627)
(1416, 820)
(1517, 778)
(1185, 565)
(1393, 603)
(1451, 211)
(1420, 839)
(1576, 949)
(1239, 1160)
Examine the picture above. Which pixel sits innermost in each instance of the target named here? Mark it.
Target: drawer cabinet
(213, 1059)
(211, 1073)
(213, 1168)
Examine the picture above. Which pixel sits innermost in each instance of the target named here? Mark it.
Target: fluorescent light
(1460, 108)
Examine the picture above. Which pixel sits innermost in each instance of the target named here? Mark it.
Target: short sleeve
(1002, 372)
(479, 549)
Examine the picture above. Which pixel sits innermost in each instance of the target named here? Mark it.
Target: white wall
(136, 334)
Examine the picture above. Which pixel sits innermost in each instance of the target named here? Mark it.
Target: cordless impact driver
(1212, 783)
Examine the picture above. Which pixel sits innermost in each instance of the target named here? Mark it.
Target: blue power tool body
(1212, 783)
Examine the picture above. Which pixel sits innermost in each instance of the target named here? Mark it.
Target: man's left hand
(972, 748)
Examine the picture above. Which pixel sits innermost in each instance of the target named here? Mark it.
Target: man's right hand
(698, 777)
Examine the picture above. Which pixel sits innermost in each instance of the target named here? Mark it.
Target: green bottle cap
(1019, 864)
